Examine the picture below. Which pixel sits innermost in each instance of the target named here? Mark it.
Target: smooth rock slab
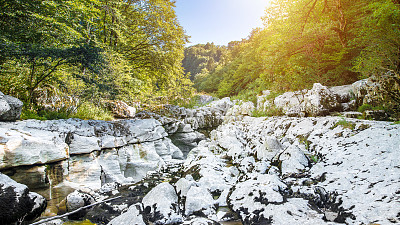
(29, 147)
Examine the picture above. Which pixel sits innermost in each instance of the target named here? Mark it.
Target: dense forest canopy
(332, 42)
(91, 49)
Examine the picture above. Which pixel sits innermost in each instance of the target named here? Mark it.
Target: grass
(345, 124)
(43, 115)
(271, 111)
(87, 111)
(314, 158)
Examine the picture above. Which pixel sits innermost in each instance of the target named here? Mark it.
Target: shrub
(89, 111)
(365, 107)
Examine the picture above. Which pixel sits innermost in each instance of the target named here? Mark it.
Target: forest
(77, 54)
(332, 42)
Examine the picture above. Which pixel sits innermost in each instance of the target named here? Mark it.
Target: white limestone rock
(132, 216)
(19, 147)
(161, 204)
(293, 160)
(83, 145)
(250, 198)
(269, 148)
(291, 103)
(319, 101)
(262, 101)
(199, 200)
(183, 185)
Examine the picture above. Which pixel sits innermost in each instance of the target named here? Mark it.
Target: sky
(219, 21)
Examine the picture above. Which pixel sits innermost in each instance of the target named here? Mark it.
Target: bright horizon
(219, 21)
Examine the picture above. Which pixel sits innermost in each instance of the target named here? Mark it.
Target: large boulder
(199, 201)
(10, 108)
(17, 202)
(238, 111)
(120, 109)
(161, 205)
(366, 91)
(319, 101)
(291, 103)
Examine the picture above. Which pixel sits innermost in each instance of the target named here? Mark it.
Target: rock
(132, 216)
(293, 160)
(366, 91)
(352, 114)
(319, 101)
(291, 103)
(183, 185)
(262, 101)
(250, 198)
(83, 145)
(199, 221)
(76, 200)
(10, 108)
(187, 141)
(269, 148)
(20, 147)
(199, 201)
(118, 151)
(376, 115)
(344, 93)
(238, 111)
(161, 205)
(17, 203)
(120, 109)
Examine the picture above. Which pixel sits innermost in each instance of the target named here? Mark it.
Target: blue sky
(219, 21)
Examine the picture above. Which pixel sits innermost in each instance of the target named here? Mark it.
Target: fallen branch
(75, 211)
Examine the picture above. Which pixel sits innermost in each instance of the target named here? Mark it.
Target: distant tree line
(333, 42)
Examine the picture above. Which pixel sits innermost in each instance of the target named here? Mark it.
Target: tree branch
(75, 211)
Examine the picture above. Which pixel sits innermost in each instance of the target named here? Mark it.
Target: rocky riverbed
(267, 170)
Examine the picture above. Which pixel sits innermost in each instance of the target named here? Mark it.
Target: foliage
(90, 111)
(189, 103)
(345, 124)
(308, 41)
(271, 111)
(91, 50)
(202, 57)
(364, 107)
(314, 158)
